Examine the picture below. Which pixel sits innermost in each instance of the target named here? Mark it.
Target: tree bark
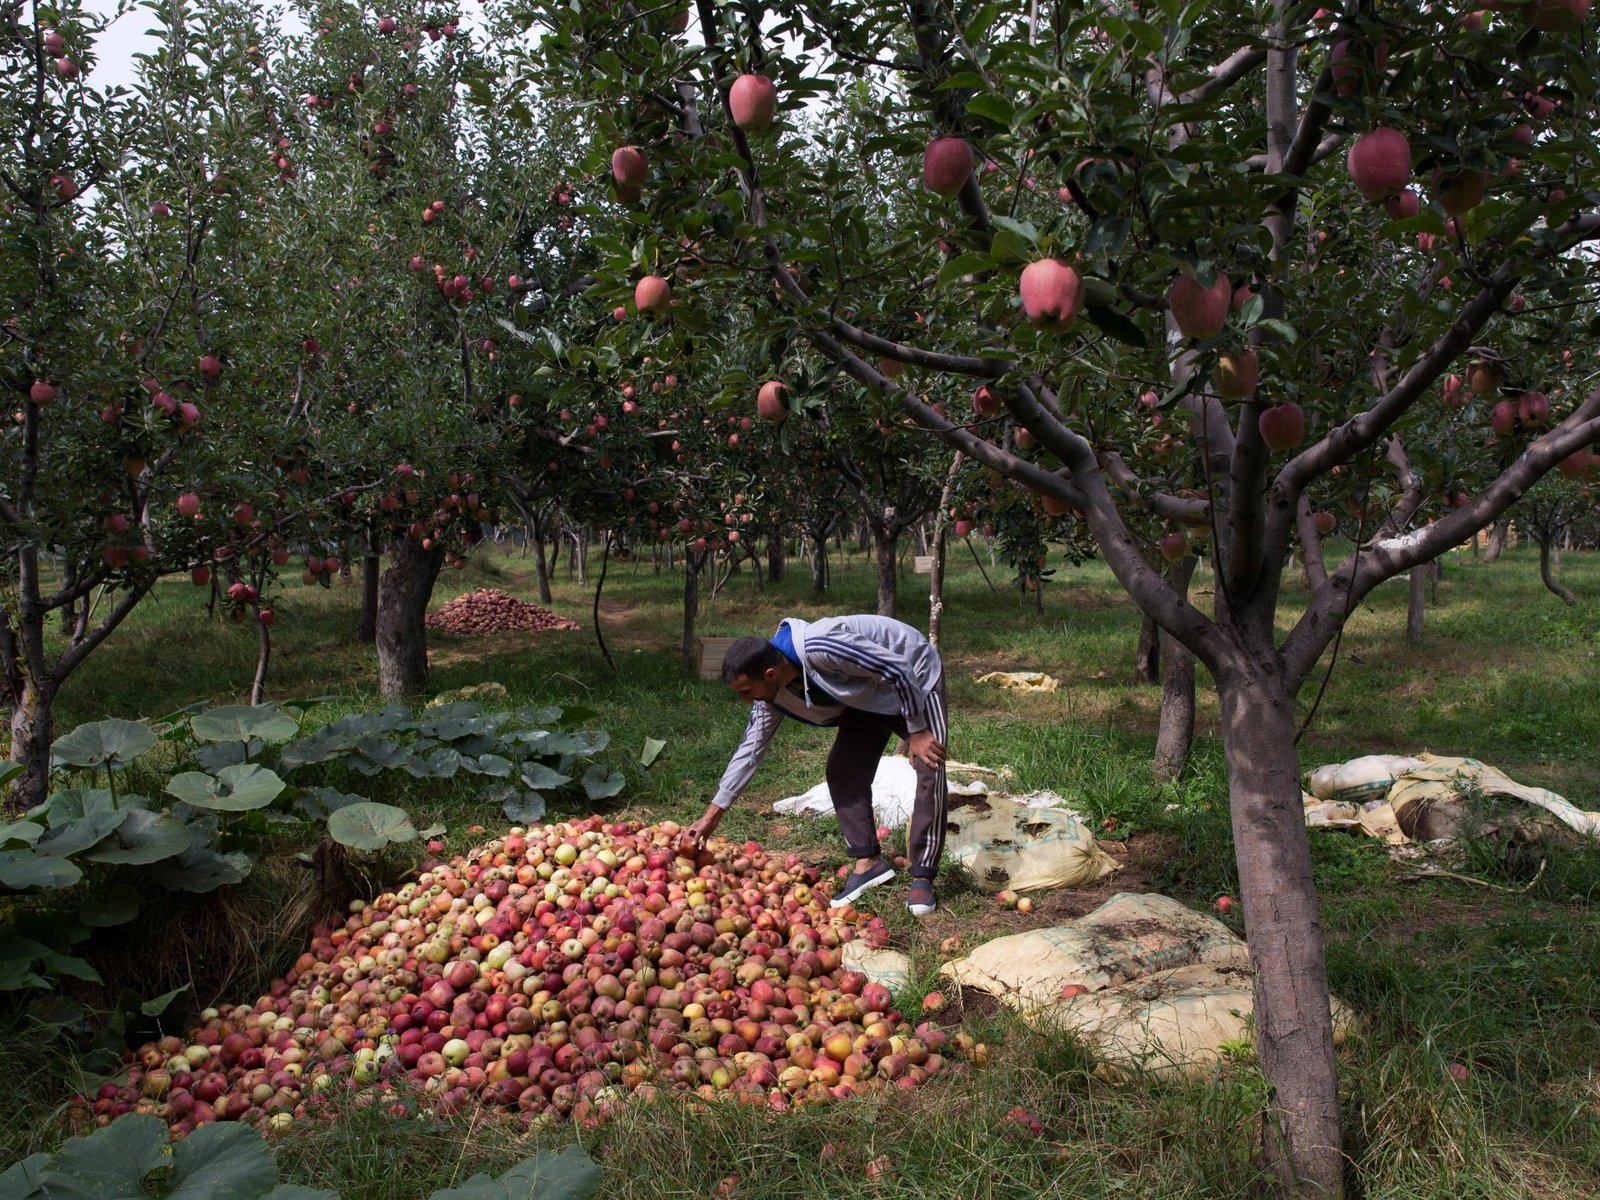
(1283, 925)
(1417, 603)
(1175, 736)
(32, 732)
(402, 636)
(258, 686)
(691, 607)
(775, 557)
(371, 564)
(1147, 653)
(1497, 540)
(886, 540)
(819, 565)
(1547, 574)
(543, 568)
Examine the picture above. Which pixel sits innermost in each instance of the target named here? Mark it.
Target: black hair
(750, 657)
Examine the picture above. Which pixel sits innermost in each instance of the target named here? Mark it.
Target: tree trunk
(1497, 540)
(1147, 653)
(775, 559)
(32, 732)
(1547, 574)
(1293, 1028)
(691, 608)
(402, 637)
(1416, 604)
(543, 567)
(1175, 736)
(258, 686)
(371, 564)
(886, 541)
(819, 566)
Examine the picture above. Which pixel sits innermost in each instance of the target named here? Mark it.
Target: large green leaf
(322, 746)
(20, 831)
(600, 784)
(24, 869)
(652, 751)
(117, 905)
(201, 869)
(322, 802)
(233, 789)
(524, 809)
(540, 777)
(145, 837)
(9, 771)
(489, 764)
(110, 1163)
(222, 1161)
(549, 1175)
(241, 722)
(25, 1180)
(78, 835)
(111, 743)
(370, 826)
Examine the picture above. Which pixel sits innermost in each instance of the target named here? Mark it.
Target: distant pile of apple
(556, 972)
(489, 610)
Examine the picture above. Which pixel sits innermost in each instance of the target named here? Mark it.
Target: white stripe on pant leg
(931, 852)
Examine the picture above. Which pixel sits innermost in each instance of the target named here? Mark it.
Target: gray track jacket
(875, 664)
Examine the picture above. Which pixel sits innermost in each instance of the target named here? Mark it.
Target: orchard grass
(1504, 982)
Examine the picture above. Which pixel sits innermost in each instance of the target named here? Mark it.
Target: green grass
(1506, 982)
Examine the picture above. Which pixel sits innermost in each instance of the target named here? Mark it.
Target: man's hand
(926, 748)
(694, 837)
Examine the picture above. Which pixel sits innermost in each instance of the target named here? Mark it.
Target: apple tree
(1098, 182)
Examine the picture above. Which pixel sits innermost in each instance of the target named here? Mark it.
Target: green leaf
(222, 754)
(201, 869)
(490, 764)
(1113, 323)
(112, 743)
(145, 837)
(111, 1163)
(25, 869)
(154, 1008)
(526, 809)
(20, 831)
(652, 751)
(323, 802)
(8, 772)
(540, 777)
(69, 964)
(575, 715)
(971, 263)
(76, 836)
(25, 1180)
(568, 1175)
(370, 826)
(222, 1161)
(73, 805)
(544, 716)
(118, 906)
(600, 784)
(241, 722)
(234, 789)
(993, 108)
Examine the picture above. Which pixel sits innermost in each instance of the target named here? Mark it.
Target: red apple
(1482, 379)
(1174, 546)
(200, 576)
(772, 401)
(753, 101)
(1533, 408)
(1504, 417)
(1405, 204)
(946, 165)
(1458, 191)
(1380, 163)
(1199, 312)
(629, 166)
(1224, 904)
(1282, 426)
(210, 366)
(986, 401)
(266, 616)
(962, 529)
(652, 294)
(1052, 292)
(42, 391)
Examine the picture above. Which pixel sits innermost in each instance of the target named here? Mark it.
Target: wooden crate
(709, 652)
(922, 564)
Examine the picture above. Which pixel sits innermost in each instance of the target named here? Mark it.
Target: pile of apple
(556, 973)
(489, 610)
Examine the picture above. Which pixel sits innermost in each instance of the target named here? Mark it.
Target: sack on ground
(1006, 844)
(1153, 985)
(1366, 778)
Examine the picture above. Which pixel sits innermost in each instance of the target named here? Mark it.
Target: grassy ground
(1440, 971)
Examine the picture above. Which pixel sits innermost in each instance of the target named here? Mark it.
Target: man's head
(755, 669)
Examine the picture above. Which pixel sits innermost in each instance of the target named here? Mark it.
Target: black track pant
(853, 761)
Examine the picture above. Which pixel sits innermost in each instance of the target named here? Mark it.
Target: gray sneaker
(920, 898)
(860, 881)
